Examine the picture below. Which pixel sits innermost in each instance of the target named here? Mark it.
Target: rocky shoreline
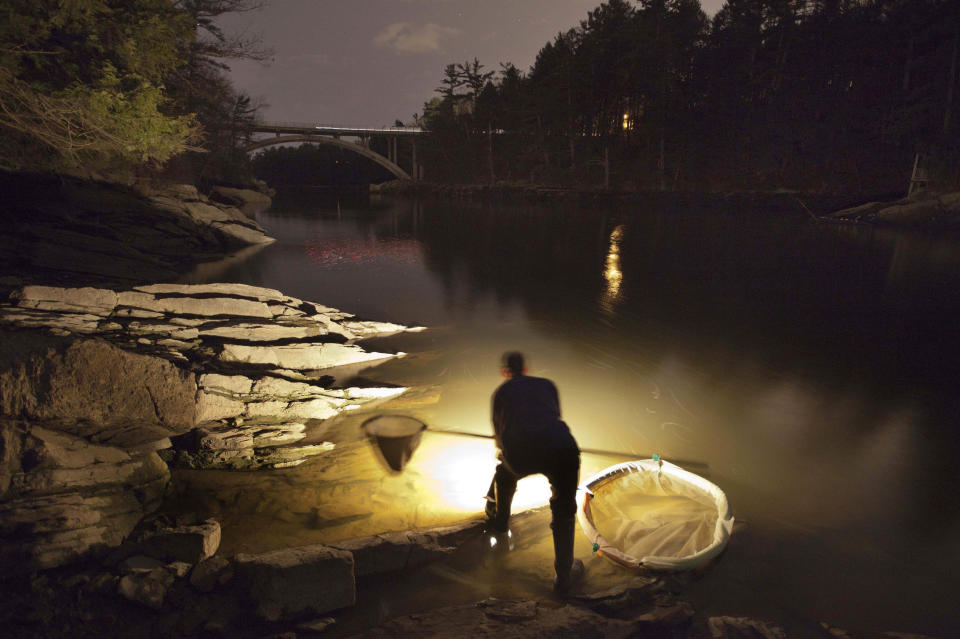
(924, 210)
(73, 232)
(767, 202)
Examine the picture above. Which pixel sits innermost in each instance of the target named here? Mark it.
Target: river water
(811, 368)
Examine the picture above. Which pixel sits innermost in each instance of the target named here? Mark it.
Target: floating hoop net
(654, 514)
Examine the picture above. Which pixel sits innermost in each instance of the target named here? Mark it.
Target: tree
(84, 80)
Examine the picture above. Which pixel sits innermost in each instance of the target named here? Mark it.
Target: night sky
(371, 62)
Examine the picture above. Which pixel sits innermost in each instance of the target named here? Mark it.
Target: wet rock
(210, 573)
(148, 589)
(190, 544)
(391, 552)
(636, 593)
(457, 534)
(297, 581)
(743, 628)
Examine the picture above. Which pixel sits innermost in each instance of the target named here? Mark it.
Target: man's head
(511, 364)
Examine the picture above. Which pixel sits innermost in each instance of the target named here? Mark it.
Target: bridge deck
(329, 129)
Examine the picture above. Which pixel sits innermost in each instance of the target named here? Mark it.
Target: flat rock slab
(392, 552)
(310, 580)
(190, 544)
(316, 356)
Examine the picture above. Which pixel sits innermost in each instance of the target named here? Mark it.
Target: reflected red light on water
(343, 251)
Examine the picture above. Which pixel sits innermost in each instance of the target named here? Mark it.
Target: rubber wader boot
(569, 570)
(499, 500)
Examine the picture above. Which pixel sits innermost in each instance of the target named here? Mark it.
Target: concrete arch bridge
(287, 132)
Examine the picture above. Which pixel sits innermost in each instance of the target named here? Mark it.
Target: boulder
(190, 544)
(148, 589)
(91, 388)
(310, 580)
(210, 573)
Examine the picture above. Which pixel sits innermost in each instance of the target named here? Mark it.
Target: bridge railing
(314, 126)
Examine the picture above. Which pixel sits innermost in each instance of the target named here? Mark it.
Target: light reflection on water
(812, 368)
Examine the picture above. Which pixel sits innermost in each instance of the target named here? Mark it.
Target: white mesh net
(643, 513)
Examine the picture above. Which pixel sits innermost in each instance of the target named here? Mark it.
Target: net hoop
(690, 481)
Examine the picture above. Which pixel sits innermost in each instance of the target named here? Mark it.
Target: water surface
(812, 367)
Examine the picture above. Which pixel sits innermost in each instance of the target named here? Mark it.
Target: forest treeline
(797, 94)
(114, 86)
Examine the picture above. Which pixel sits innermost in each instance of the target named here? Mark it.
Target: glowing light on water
(612, 272)
(459, 471)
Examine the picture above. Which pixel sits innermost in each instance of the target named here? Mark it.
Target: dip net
(655, 514)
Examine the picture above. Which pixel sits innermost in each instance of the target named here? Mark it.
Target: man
(533, 439)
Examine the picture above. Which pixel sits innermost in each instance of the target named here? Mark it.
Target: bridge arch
(331, 141)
